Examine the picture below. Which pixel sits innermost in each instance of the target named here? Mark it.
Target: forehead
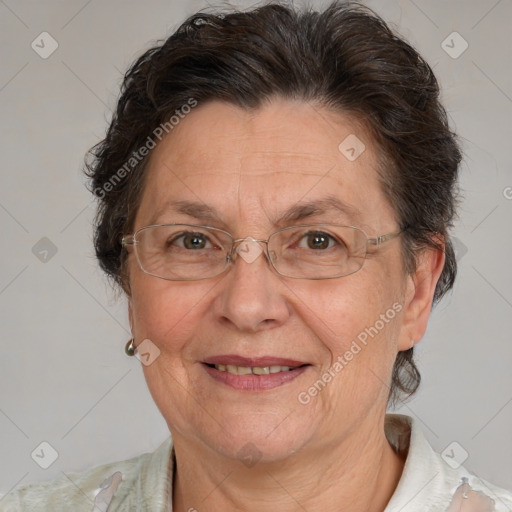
(250, 164)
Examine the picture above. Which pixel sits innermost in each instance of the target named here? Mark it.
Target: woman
(275, 194)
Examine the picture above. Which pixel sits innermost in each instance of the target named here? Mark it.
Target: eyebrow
(194, 209)
(296, 213)
(305, 210)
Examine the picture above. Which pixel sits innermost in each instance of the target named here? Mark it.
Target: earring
(130, 348)
(412, 343)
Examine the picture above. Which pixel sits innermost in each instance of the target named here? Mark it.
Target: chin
(260, 442)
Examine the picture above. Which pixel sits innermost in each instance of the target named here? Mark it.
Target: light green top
(429, 482)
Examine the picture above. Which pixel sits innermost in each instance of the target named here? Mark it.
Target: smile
(254, 377)
(252, 370)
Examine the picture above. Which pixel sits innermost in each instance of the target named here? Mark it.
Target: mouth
(252, 370)
(253, 374)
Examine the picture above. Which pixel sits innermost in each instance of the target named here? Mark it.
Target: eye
(191, 240)
(317, 240)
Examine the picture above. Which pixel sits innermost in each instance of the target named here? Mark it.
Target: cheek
(342, 309)
(166, 312)
(358, 323)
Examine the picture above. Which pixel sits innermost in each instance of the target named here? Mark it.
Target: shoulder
(437, 481)
(468, 490)
(92, 490)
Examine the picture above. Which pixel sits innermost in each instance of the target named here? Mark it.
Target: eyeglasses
(186, 252)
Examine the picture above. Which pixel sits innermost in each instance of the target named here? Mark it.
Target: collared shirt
(429, 482)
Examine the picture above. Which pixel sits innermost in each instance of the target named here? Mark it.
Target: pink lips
(254, 382)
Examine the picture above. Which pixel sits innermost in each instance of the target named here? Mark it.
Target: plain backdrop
(65, 379)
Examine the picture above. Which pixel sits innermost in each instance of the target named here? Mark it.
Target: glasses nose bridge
(234, 252)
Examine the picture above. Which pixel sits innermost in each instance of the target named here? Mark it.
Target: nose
(252, 296)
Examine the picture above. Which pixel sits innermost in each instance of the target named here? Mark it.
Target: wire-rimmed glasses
(188, 252)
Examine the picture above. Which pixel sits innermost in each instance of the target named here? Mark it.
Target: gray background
(64, 377)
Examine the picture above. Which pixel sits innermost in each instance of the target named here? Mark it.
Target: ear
(419, 295)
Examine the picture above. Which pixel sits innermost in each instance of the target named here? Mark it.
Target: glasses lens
(318, 251)
(182, 251)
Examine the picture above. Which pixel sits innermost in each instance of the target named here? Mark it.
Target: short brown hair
(345, 58)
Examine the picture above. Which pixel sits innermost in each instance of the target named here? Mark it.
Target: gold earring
(130, 348)
(412, 343)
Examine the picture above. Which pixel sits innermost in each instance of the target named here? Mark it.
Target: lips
(253, 373)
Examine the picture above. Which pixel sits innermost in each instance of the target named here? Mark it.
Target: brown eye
(191, 241)
(194, 241)
(317, 240)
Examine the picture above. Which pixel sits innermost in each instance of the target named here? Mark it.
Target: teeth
(261, 371)
(252, 370)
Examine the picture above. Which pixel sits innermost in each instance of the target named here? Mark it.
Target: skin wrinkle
(252, 311)
(329, 208)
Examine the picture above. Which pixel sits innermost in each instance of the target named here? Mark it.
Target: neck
(358, 473)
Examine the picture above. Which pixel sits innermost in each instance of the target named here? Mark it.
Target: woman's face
(244, 171)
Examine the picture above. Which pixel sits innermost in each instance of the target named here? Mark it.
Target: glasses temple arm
(379, 240)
